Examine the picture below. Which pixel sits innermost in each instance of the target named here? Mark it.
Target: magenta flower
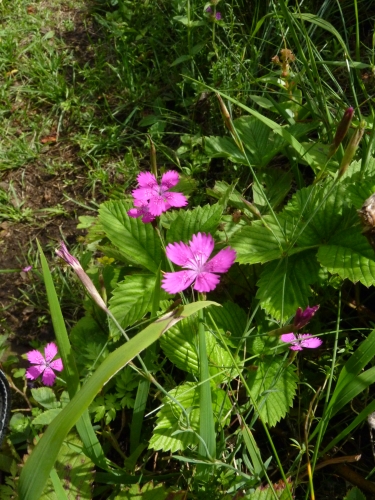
(157, 198)
(27, 269)
(303, 317)
(44, 364)
(142, 210)
(300, 341)
(194, 258)
(218, 16)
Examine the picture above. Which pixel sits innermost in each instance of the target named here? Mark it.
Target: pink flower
(142, 210)
(27, 269)
(300, 341)
(44, 365)
(157, 198)
(194, 257)
(303, 317)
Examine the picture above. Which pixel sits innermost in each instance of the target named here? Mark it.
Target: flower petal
(222, 261)
(157, 205)
(48, 377)
(310, 342)
(147, 180)
(288, 337)
(34, 371)
(176, 282)
(206, 282)
(145, 194)
(175, 199)
(179, 253)
(57, 365)
(35, 357)
(169, 179)
(50, 351)
(201, 245)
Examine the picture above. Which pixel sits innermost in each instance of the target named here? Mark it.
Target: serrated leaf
(136, 240)
(273, 387)
(231, 321)
(148, 492)
(349, 255)
(355, 494)
(201, 219)
(285, 285)
(223, 147)
(275, 186)
(176, 431)
(132, 298)
(45, 397)
(255, 244)
(180, 345)
(46, 417)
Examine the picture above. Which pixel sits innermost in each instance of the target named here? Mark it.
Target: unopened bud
(351, 148)
(341, 131)
(63, 253)
(228, 123)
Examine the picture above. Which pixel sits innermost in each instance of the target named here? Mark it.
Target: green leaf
(37, 468)
(46, 417)
(180, 345)
(73, 468)
(285, 285)
(273, 386)
(355, 494)
(231, 321)
(175, 430)
(188, 222)
(132, 298)
(45, 397)
(275, 185)
(318, 21)
(223, 147)
(137, 241)
(349, 254)
(255, 244)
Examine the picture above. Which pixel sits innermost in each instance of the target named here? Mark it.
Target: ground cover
(265, 397)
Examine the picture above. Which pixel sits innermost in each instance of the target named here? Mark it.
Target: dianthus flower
(154, 199)
(44, 364)
(194, 258)
(300, 341)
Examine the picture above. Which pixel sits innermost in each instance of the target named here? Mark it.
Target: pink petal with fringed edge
(144, 194)
(202, 245)
(57, 365)
(177, 200)
(176, 282)
(48, 377)
(169, 179)
(309, 342)
(147, 180)
(157, 205)
(33, 372)
(222, 261)
(206, 282)
(50, 351)
(179, 253)
(35, 357)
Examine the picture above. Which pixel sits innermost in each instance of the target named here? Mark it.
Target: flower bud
(341, 131)
(351, 148)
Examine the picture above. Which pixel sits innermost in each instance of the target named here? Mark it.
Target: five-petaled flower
(300, 341)
(152, 198)
(44, 365)
(199, 270)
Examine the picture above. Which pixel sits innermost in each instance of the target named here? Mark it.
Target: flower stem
(207, 447)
